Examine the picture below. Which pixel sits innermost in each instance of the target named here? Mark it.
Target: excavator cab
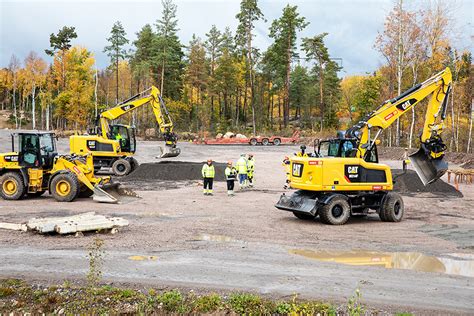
(126, 135)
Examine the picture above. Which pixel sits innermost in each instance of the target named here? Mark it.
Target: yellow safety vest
(208, 171)
(241, 165)
(250, 166)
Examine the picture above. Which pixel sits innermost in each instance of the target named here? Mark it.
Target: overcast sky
(352, 24)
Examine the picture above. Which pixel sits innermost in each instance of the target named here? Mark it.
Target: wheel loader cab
(126, 135)
(36, 150)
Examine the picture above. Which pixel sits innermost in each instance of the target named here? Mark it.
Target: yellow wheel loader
(34, 167)
(343, 176)
(113, 145)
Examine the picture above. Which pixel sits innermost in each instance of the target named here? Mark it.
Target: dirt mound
(173, 170)
(410, 183)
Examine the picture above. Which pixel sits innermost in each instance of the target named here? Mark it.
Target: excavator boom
(427, 161)
(150, 96)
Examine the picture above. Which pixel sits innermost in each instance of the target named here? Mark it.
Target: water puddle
(219, 238)
(143, 258)
(456, 264)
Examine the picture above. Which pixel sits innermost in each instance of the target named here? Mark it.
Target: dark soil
(172, 170)
(410, 183)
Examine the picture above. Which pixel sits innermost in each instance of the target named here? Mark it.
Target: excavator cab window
(125, 135)
(337, 148)
(371, 155)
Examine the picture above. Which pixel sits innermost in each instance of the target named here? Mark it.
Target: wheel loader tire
(65, 187)
(12, 186)
(336, 212)
(304, 216)
(121, 167)
(392, 209)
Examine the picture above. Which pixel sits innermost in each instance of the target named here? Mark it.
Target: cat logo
(127, 107)
(91, 144)
(297, 170)
(405, 105)
(353, 169)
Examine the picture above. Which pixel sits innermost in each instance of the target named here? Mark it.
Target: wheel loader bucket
(114, 193)
(168, 152)
(429, 170)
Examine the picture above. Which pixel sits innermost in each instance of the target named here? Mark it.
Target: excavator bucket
(114, 193)
(428, 169)
(169, 151)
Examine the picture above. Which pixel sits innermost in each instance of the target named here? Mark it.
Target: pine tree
(168, 55)
(283, 31)
(212, 44)
(248, 15)
(116, 51)
(61, 42)
(142, 59)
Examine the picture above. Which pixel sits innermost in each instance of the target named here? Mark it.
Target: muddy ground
(245, 243)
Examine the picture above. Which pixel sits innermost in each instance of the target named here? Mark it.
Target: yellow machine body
(339, 174)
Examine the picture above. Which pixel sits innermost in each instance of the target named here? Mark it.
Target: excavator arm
(427, 161)
(152, 97)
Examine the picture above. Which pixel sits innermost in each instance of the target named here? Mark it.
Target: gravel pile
(172, 170)
(409, 182)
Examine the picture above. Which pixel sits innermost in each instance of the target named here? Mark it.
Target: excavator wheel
(12, 186)
(134, 163)
(336, 212)
(392, 208)
(65, 187)
(121, 167)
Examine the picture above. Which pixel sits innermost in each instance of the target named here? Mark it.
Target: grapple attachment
(114, 193)
(299, 203)
(169, 151)
(427, 168)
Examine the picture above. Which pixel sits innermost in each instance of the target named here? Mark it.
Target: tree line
(221, 81)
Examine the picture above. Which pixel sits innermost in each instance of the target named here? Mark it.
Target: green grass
(73, 299)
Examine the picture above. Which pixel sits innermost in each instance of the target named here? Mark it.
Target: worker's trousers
(230, 186)
(208, 185)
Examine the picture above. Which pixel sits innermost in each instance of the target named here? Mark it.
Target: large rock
(229, 135)
(150, 133)
(240, 136)
(219, 135)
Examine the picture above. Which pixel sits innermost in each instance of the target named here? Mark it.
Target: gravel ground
(244, 242)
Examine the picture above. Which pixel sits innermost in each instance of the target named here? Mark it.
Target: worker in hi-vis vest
(208, 173)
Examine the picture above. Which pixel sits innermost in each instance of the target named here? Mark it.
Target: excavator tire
(12, 186)
(304, 216)
(121, 167)
(392, 209)
(336, 212)
(65, 187)
(134, 163)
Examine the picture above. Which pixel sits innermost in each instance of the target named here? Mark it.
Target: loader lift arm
(152, 97)
(427, 161)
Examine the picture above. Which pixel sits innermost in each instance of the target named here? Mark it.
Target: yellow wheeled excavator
(113, 145)
(34, 167)
(343, 176)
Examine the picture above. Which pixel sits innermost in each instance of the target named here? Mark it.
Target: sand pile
(410, 183)
(172, 170)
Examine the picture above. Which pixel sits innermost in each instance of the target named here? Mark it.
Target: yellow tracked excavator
(113, 145)
(343, 176)
(34, 167)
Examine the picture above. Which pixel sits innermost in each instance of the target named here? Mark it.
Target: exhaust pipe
(113, 193)
(428, 169)
(169, 151)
